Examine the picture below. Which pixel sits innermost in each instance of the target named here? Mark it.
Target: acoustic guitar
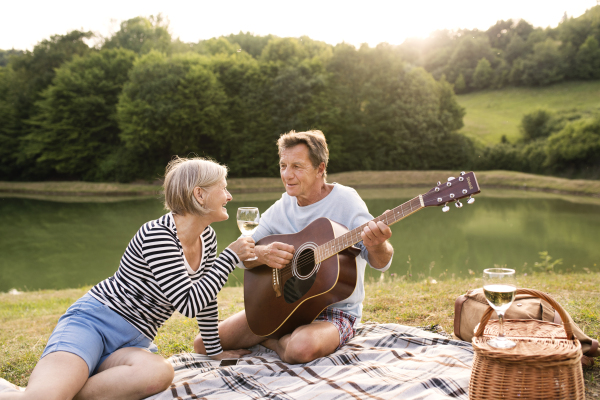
(323, 269)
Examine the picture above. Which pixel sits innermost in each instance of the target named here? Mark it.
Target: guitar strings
(305, 259)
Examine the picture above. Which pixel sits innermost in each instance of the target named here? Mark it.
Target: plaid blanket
(385, 361)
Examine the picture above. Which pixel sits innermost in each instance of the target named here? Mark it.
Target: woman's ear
(199, 195)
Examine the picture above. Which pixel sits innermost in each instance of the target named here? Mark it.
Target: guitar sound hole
(294, 287)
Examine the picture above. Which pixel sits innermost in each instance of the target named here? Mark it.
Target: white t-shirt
(342, 205)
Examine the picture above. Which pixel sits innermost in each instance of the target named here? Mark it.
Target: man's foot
(6, 386)
(270, 344)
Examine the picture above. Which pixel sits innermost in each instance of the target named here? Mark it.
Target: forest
(120, 110)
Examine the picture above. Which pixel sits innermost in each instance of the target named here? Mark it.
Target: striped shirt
(152, 282)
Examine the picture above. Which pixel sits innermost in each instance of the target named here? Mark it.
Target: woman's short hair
(314, 140)
(182, 176)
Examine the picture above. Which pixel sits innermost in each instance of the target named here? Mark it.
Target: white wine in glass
(247, 220)
(499, 287)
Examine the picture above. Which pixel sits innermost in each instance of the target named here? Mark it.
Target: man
(308, 196)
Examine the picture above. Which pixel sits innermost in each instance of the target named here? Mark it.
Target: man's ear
(321, 169)
(199, 195)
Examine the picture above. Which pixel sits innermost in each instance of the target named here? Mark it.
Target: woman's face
(216, 200)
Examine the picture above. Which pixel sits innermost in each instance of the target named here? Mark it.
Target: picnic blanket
(383, 361)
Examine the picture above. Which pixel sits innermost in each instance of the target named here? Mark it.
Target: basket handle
(536, 293)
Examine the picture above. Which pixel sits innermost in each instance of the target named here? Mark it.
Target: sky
(24, 23)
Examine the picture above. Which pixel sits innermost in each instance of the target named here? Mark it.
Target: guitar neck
(390, 217)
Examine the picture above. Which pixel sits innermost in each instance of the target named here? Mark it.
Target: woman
(102, 347)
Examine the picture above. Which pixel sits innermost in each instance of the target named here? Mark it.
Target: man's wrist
(377, 248)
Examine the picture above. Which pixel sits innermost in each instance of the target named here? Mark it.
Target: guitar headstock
(453, 190)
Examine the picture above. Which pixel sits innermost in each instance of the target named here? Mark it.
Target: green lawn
(27, 319)
(493, 113)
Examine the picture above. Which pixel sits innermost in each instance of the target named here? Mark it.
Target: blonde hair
(182, 176)
(314, 140)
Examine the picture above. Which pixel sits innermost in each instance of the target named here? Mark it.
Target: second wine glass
(499, 286)
(247, 220)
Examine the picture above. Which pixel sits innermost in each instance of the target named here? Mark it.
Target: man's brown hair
(314, 140)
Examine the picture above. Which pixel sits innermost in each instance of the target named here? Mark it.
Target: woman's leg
(128, 373)
(59, 375)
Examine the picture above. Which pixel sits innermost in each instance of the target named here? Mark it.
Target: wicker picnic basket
(545, 363)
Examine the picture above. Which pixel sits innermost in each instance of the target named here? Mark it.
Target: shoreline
(359, 180)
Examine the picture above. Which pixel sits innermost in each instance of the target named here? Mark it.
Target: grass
(493, 113)
(27, 319)
(90, 191)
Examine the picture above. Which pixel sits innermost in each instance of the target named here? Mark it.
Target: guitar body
(305, 293)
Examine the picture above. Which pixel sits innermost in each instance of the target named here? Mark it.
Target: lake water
(53, 245)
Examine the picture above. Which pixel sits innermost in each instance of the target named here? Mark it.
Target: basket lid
(537, 341)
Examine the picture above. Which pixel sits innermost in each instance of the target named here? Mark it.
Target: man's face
(299, 177)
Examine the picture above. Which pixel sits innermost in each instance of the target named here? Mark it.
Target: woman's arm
(209, 329)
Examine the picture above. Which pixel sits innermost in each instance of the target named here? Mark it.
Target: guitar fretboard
(390, 217)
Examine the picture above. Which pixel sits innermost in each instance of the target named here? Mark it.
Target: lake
(47, 244)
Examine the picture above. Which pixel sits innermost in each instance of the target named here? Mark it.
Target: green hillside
(493, 113)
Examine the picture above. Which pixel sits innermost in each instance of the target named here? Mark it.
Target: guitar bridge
(276, 283)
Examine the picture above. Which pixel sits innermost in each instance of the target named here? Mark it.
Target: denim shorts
(93, 331)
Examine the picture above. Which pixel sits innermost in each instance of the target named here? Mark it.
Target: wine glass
(247, 220)
(499, 286)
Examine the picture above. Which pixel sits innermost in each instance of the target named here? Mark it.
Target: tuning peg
(458, 204)
(451, 178)
(463, 173)
(445, 208)
(439, 183)
(471, 200)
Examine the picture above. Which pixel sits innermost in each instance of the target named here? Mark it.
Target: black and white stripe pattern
(152, 282)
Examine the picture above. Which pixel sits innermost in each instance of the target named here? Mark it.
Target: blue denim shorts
(93, 331)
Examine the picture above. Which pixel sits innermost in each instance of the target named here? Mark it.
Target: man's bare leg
(306, 343)
(234, 333)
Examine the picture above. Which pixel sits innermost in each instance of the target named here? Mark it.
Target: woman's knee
(163, 374)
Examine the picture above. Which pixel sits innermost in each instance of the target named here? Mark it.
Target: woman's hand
(243, 247)
(231, 353)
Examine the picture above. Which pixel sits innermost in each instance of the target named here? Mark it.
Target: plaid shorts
(344, 323)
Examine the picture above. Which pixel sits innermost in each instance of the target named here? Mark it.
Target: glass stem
(501, 330)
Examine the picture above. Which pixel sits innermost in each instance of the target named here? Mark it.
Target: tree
(545, 66)
(9, 143)
(499, 34)
(173, 106)
(483, 75)
(466, 56)
(216, 46)
(76, 127)
(284, 50)
(459, 84)
(576, 146)
(249, 110)
(6, 54)
(537, 125)
(33, 72)
(141, 35)
(587, 60)
(381, 114)
(515, 49)
(251, 44)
